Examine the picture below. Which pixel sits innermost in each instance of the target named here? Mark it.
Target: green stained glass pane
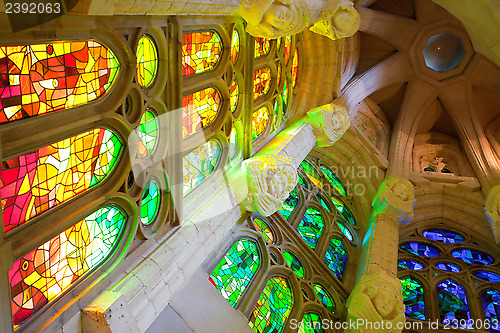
(413, 297)
(276, 117)
(452, 300)
(235, 271)
(147, 61)
(311, 226)
(343, 210)
(262, 227)
(323, 202)
(199, 164)
(311, 323)
(324, 297)
(312, 174)
(273, 307)
(336, 257)
(334, 180)
(293, 262)
(148, 133)
(289, 204)
(302, 181)
(284, 97)
(201, 52)
(345, 231)
(150, 202)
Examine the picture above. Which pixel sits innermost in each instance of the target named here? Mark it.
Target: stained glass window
(284, 97)
(443, 236)
(289, 204)
(311, 173)
(235, 271)
(345, 230)
(472, 256)
(199, 164)
(336, 257)
(200, 110)
(490, 300)
(41, 78)
(420, 249)
(410, 264)
(235, 46)
(278, 43)
(288, 48)
(294, 263)
(278, 77)
(147, 61)
(261, 82)
(262, 46)
(324, 297)
(295, 67)
(448, 267)
(260, 118)
(33, 183)
(413, 298)
(276, 116)
(148, 133)
(150, 202)
(311, 323)
(452, 301)
(333, 180)
(45, 273)
(487, 276)
(273, 307)
(235, 95)
(311, 226)
(200, 52)
(262, 227)
(343, 210)
(323, 202)
(302, 181)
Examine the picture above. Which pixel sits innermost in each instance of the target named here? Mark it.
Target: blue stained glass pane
(336, 257)
(413, 298)
(420, 249)
(472, 256)
(443, 236)
(453, 303)
(487, 276)
(490, 300)
(311, 226)
(410, 264)
(448, 267)
(289, 204)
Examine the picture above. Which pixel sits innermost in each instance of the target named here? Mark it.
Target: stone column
(492, 210)
(376, 303)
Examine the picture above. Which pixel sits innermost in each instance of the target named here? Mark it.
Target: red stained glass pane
(295, 67)
(262, 46)
(261, 82)
(201, 52)
(200, 110)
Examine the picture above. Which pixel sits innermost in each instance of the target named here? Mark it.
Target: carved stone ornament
(396, 197)
(329, 123)
(376, 305)
(263, 183)
(492, 210)
(338, 20)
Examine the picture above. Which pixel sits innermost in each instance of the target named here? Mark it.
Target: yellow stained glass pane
(147, 61)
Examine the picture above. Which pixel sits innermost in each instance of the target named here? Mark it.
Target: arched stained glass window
(42, 179)
(262, 227)
(295, 67)
(235, 271)
(278, 77)
(200, 110)
(147, 61)
(490, 300)
(262, 46)
(199, 164)
(311, 323)
(148, 133)
(311, 226)
(413, 298)
(43, 78)
(448, 267)
(284, 97)
(235, 46)
(289, 204)
(472, 256)
(343, 210)
(273, 307)
(261, 82)
(487, 276)
(201, 52)
(420, 249)
(311, 173)
(410, 264)
(336, 257)
(294, 263)
(323, 202)
(443, 236)
(150, 202)
(333, 180)
(347, 233)
(324, 297)
(260, 119)
(452, 301)
(302, 181)
(45, 273)
(234, 95)
(288, 48)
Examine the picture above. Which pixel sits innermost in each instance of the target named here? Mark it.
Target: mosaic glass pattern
(312, 174)
(201, 52)
(345, 231)
(235, 95)
(413, 298)
(46, 272)
(276, 116)
(448, 267)
(235, 46)
(490, 300)
(410, 264)
(343, 210)
(148, 132)
(472, 256)
(147, 61)
(278, 77)
(311, 226)
(323, 202)
(294, 263)
(262, 46)
(311, 323)
(452, 301)
(42, 78)
(324, 297)
(288, 48)
(284, 98)
(443, 236)
(336, 257)
(262, 227)
(420, 249)
(289, 204)
(302, 181)
(333, 180)
(273, 307)
(199, 164)
(295, 67)
(200, 110)
(150, 202)
(260, 119)
(235, 271)
(487, 276)
(261, 82)
(33, 183)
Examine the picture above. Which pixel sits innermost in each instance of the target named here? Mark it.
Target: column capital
(492, 210)
(329, 123)
(395, 197)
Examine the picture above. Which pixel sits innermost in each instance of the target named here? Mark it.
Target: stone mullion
(5, 266)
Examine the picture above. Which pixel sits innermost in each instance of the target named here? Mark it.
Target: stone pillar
(376, 303)
(492, 210)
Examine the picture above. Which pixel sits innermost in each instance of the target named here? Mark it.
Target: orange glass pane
(260, 118)
(201, 52)
(262, 46)
(261, 82)
(200, 110)
(295, 67)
